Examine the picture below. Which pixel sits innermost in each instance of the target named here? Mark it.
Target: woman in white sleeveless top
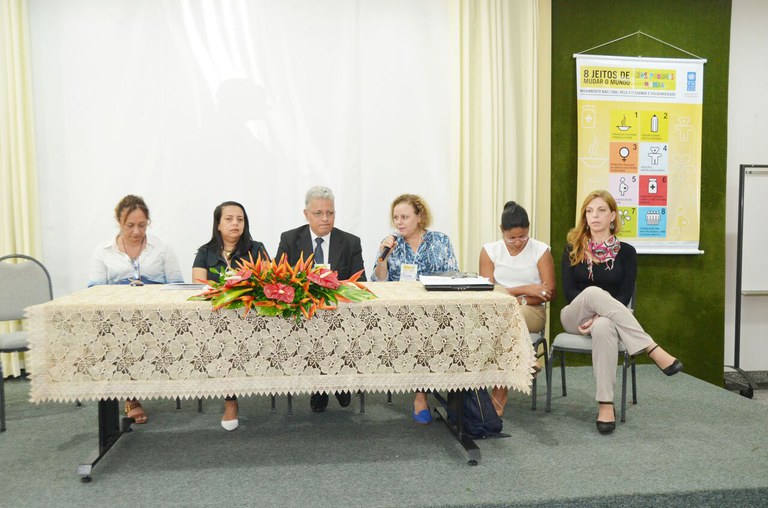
(524, 266)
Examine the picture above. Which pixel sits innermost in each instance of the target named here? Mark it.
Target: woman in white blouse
(136, 258)
(524, 266)
(133, 256)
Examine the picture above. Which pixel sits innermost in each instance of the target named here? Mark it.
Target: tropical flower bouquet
(279, 289)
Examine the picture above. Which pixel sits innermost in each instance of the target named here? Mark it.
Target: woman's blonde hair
(419, 206)
(578, 237)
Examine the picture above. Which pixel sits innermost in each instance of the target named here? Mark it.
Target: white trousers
(613, 322)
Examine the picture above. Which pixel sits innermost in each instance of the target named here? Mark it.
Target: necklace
(134, 259)
(138, 252)
(228, 252)
(227, 255)
(514, 251)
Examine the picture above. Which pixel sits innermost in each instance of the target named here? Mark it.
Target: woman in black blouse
(598, 282)
(230, 242)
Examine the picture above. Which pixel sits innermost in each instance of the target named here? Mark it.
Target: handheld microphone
(386, 250)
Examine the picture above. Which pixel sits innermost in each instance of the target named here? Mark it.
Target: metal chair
(23, 284)
(582, 344)
(539, 339)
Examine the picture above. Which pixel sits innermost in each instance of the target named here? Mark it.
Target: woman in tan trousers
(598, 282)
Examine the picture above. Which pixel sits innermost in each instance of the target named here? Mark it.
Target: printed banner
(639, 125)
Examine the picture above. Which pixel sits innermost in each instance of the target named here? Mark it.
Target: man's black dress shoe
(344, 398)
(318, 402)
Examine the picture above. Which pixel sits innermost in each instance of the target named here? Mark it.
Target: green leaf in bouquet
(354, 294)
(267, 311)
(225, 299)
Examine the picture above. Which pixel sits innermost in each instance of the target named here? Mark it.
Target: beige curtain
(19, 227)
(502, 146)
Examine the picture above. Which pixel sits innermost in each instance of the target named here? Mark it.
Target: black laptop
(456, 281)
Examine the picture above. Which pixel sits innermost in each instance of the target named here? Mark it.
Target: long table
(109, 343)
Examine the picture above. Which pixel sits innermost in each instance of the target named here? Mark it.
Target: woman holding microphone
(412, 252)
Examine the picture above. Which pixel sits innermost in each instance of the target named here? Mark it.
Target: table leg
(109, 432)
(453, 407)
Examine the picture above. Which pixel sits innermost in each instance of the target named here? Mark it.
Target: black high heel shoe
(673, 369)
(607, 427)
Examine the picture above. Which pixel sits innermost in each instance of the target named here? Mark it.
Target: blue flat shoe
(423, 417)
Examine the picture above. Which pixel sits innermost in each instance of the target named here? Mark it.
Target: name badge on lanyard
(408, 271)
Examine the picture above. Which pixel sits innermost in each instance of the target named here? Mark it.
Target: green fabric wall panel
(680, 299)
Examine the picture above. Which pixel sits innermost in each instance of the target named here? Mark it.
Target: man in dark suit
(331, 246)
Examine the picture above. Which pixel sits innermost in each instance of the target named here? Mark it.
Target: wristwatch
(522, 300)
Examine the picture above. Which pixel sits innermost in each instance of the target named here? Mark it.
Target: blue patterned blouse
(435, 255)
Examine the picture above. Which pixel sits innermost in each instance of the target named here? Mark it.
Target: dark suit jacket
(345, 252)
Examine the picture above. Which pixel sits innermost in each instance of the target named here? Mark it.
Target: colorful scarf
(604, 252)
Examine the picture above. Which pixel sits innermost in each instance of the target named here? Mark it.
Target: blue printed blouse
(435, 255)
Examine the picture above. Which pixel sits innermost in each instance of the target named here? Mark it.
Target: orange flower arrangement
(279, 289)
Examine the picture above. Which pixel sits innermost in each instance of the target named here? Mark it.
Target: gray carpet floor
(687, 443)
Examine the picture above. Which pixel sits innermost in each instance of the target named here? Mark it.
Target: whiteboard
(754, 246)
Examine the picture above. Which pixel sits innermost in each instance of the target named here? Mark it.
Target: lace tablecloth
(148, 342)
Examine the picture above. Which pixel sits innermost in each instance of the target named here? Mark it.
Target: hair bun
(510, 204)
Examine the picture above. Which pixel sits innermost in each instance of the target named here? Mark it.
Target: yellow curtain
(502, 147)
(19, 224)
(543, 168)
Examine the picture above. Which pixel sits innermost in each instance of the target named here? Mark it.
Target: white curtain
(192, 103)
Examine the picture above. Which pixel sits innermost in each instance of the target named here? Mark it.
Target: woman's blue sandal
(423, 417)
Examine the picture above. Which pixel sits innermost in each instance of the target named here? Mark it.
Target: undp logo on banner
(691, 81)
